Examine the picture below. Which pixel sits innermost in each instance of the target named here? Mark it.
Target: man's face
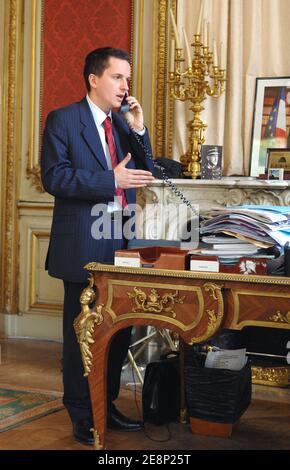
(213, 157)
(108, 91)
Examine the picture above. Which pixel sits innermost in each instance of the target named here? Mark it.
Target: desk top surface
(109, 268)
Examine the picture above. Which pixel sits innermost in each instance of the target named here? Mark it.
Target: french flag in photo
(276, 125)
(281, 132)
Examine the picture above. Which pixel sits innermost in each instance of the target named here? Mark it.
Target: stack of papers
(262, 226)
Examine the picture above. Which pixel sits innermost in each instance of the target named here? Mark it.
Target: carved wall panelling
(263, 196)
(40, 297)
(39, 293)
(35, 93)
(30, 181)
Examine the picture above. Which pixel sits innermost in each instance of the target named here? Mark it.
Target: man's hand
(135, 114)
(127, 178)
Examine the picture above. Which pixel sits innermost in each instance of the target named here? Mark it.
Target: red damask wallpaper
(71, 29)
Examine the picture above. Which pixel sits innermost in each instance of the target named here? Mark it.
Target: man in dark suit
(84, 168)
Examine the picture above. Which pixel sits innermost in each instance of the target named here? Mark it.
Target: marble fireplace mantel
(159, 221)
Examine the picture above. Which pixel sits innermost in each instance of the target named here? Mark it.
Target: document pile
(232, 359)
(258, 226)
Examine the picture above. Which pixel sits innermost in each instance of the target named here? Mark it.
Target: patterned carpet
(19, 405)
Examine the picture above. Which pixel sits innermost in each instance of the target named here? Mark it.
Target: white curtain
(256, 36)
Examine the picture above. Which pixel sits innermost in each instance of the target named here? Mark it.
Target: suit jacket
(74, 170)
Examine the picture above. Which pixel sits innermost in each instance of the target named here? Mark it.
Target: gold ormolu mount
(197, 75)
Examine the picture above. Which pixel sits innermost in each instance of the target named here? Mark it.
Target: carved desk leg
(84, 326)
(183, 408)
(98, 388)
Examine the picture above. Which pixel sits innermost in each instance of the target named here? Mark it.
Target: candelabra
(203, 77)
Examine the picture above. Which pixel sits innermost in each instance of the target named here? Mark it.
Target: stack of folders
(263, 226)
(241, 239)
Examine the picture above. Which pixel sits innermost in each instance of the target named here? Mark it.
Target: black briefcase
(161, 390)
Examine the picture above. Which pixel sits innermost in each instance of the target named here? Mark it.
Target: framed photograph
(271, 120)
(278, 158)
(211, 162)
(275, 174)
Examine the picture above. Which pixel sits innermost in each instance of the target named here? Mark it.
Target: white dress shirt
(99, 117)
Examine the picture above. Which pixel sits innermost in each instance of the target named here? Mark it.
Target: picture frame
(211, 162)
(271, 120)
(278, 158)
(275, 174)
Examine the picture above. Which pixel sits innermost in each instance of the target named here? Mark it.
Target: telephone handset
(161, 170)
(124, 105)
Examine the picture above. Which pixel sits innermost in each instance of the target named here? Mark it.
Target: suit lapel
(90, 133)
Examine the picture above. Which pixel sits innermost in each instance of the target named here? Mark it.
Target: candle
(205, 38)
(215, 57)
(200, 18)
(172, 51)
(208, 35)
(176, 35)
(187, 48)
(222, 62)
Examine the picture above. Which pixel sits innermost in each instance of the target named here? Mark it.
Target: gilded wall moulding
(170, 101)
(11, 111)
(161, 78)
(36, 65)
(163, 116)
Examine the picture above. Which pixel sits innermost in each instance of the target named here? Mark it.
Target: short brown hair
(97, 61)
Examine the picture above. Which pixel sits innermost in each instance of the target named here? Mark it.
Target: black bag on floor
(218, 395)
(161, 390)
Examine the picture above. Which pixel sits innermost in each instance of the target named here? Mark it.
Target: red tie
(113, 153)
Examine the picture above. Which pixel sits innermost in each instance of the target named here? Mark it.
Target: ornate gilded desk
(195, 305)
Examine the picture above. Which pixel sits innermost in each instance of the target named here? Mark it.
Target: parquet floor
(264, 426)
